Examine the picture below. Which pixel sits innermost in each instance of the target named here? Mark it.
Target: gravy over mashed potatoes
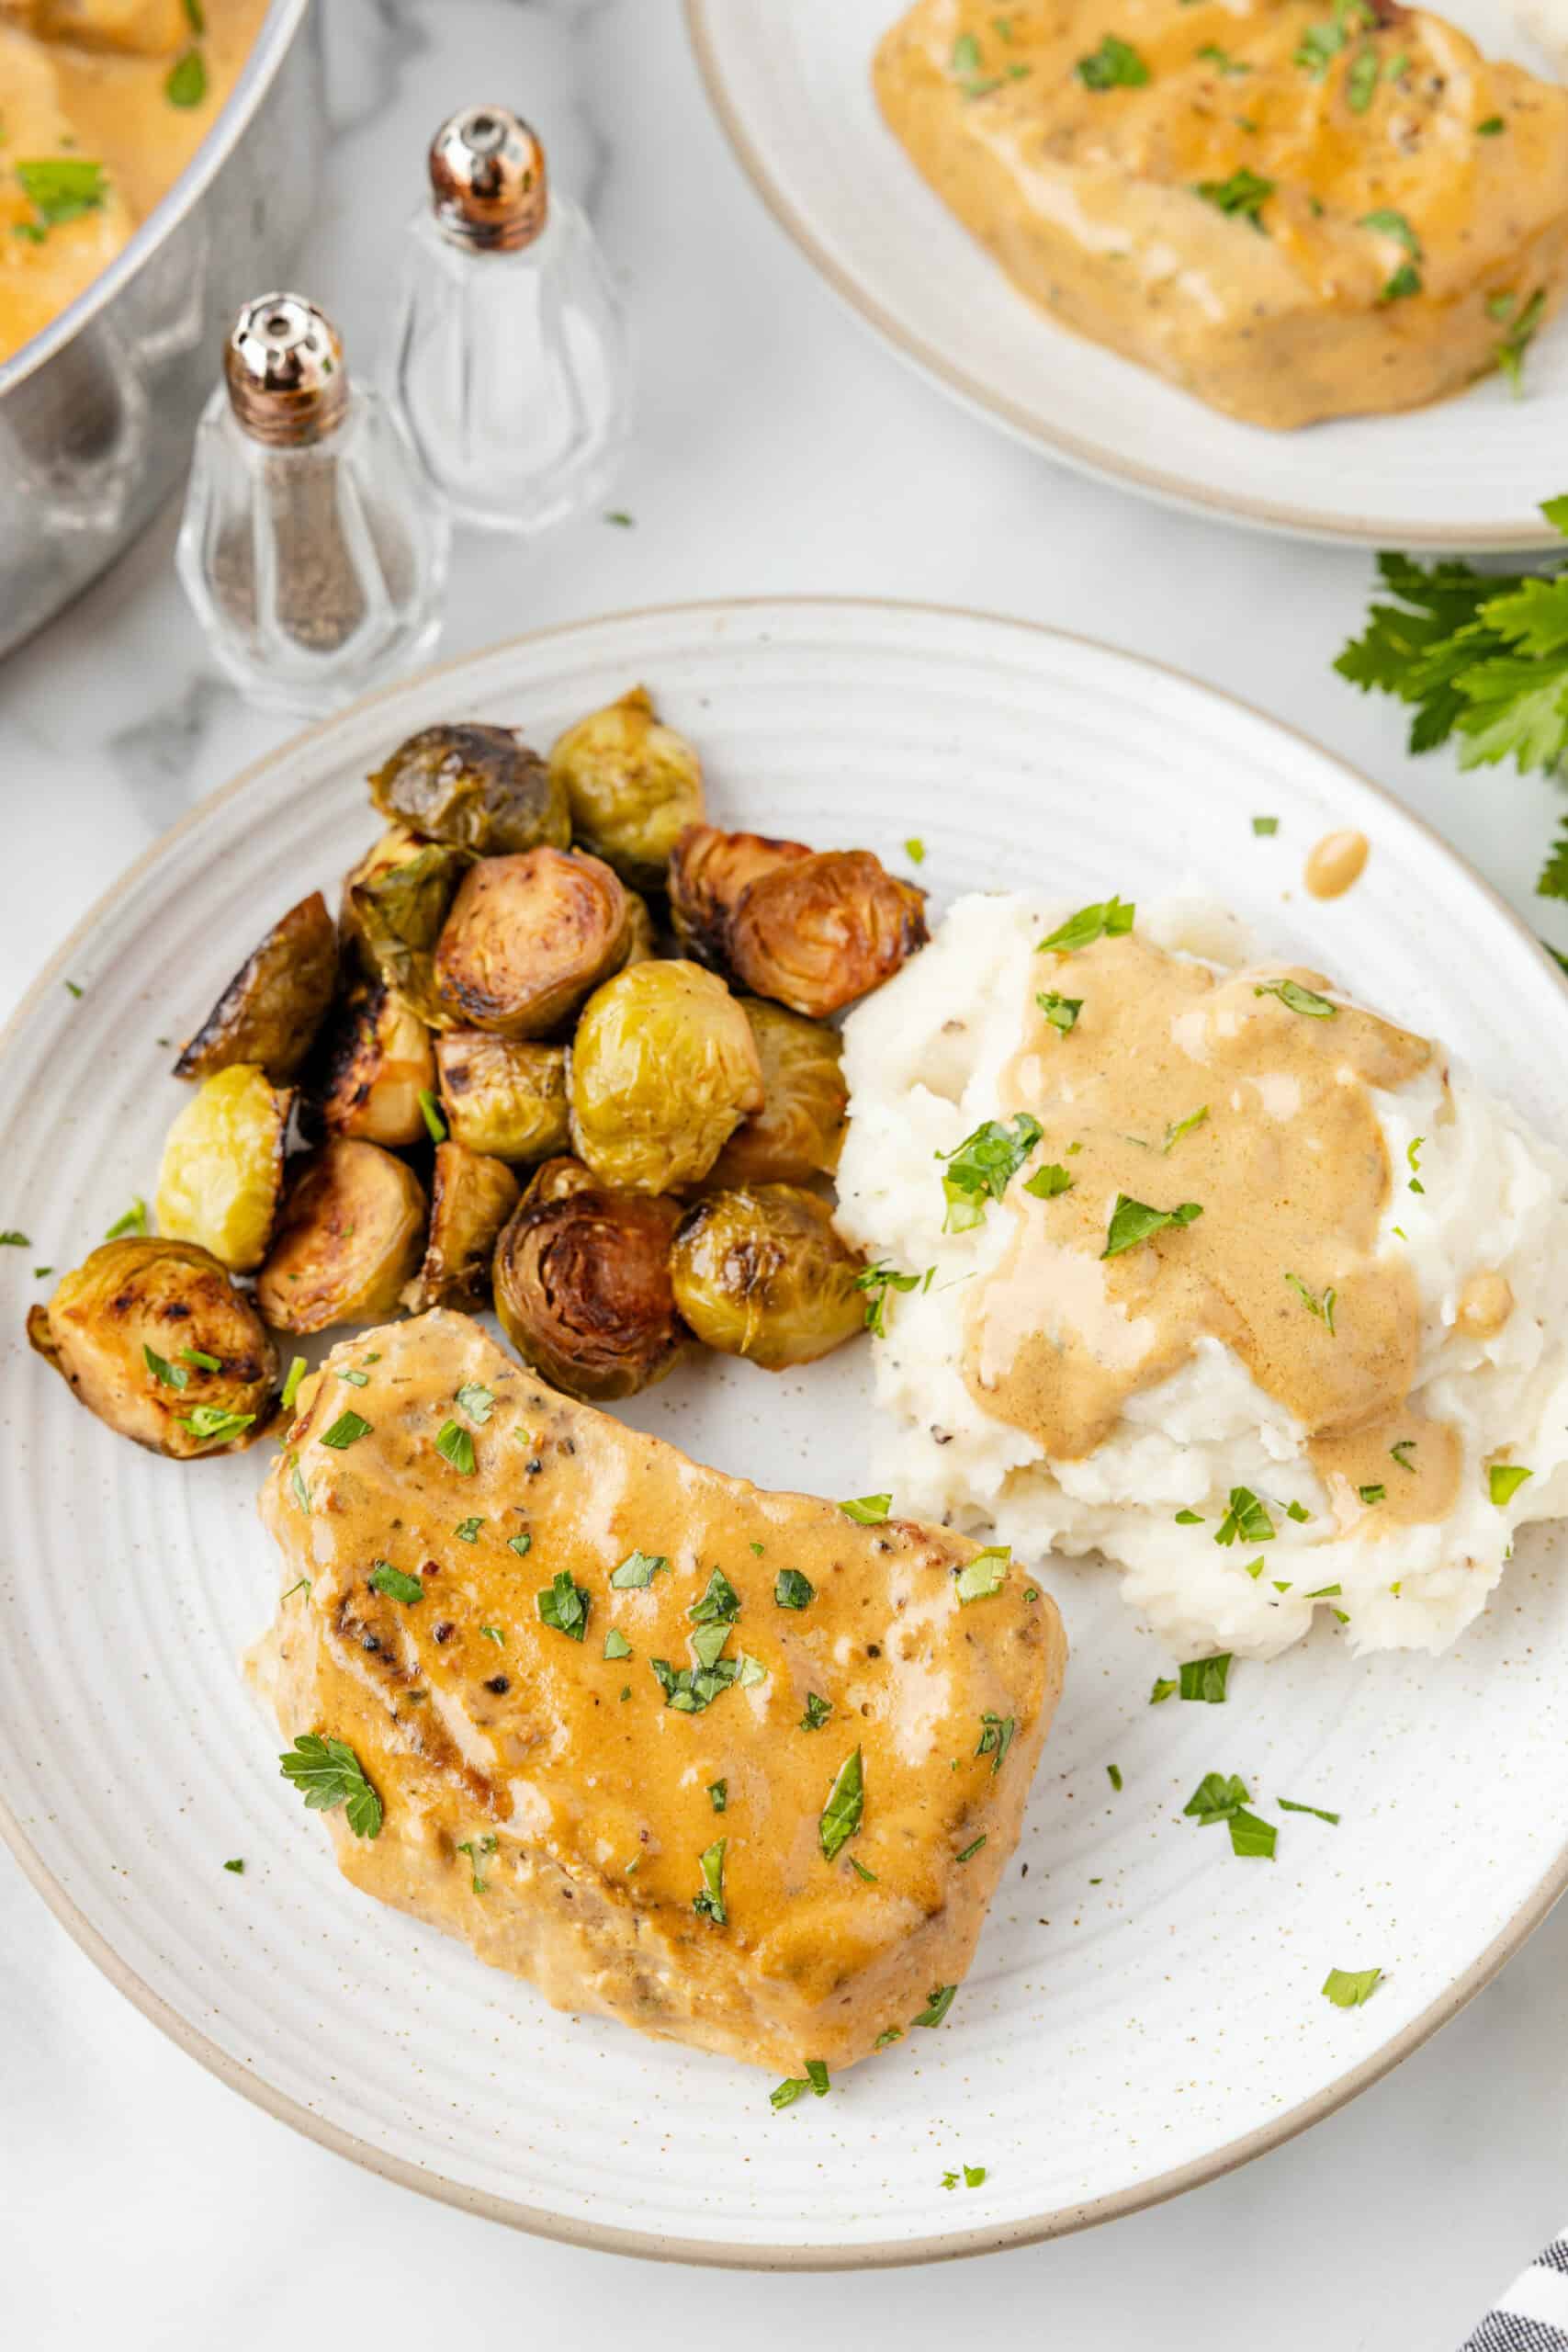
(1272, 1311)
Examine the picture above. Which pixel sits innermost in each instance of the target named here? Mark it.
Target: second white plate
(792, 86)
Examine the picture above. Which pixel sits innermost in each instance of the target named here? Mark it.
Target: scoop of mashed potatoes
(925, 1059)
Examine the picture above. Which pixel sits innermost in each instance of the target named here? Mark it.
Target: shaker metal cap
(487, 169)
(284, 367)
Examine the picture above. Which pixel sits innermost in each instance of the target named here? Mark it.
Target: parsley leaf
(1133, 1221)
(168, 1375)
(718, 1605)
(476, 1401)
(564, 1606)
(1047, 1183)
(328, 1773)
(877, 1281)
(939, 2000)
(185, 84)
(710, 1902)
(983, 1577)
(617, 1644)
(637, 1570)
(1115, 64)
(1553, 880)
(867, 1511)
(62, 188)
(1322, 1308)
(1204, 1679)
(1106, 919)
(793, 1590)
(1242, 196)
(1287, 1806)
(1296, 999)
(213, 1425)
(385, 1578)
(1246, 1517)
(996, 1739)
(817, 1711)
(133, 1221)
(1503, 1480)
(476, 1849)
(1349, 1989)
(1218, 1797)
(846, 1804)
(980, 1168)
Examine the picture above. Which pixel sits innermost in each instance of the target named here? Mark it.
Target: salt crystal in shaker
(311, 547)
(509, 357)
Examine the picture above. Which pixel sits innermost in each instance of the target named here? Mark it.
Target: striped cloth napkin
(1532, 2316)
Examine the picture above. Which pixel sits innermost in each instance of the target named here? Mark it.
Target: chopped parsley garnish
(794, 2086)
(476, 1849)
(213, 1425)
(476, 1401)
(1349, 1989)
(1061, 1011)
(622, 521)
(237, 1866)
(889, 2033)
(718, 1605)
(817, 1711)
(1322, 1308)
(1299, 1513)
(793, 1590)
(346, 1430)
(708, 1641)
(1115, 64)
(970, 1851)
(1204, 1679)
(637, 1570)
(719, 1795)
(355, 1379)
(617, 1644)
(133, 1221)
(1406, 1445)
(328, 1773)
(1287, 1805)
(1324, 1593)
(467, 1529)
(1107, 919)
(915, 850)
(1263, 826)
(385, 1578)
(1222, 60)
(1252, 1839)
(1387, 223)
(1491, 127)
(868, 1877)
(185, 84)
(13, 1241)
(199, 1361)
(1362, 81)
(996, 1739)
(1222, 1796)
(430, 1111)
(846, 1804)
(710, 1902)
(1370, 1494)
(867, 1511)
(168, 1375)
(60, 188)
(939, 2000)
(1133, 1222)
(980, 1168)
(455, 1446)
(1113, 1774)
(564, 1606)
(688, 1689)
(1246, 1517)
(1503, 1480)
(1164, 1689)
(1189, 1518)
(298, 1483)
(493, 1634)
(983, 1577)
(1296, 999)
(522, 1543)
(877, 1281)
(1047, 1183)
(1242, 196)
(1176, 1128)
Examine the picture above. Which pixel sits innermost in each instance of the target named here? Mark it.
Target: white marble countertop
(778, 450)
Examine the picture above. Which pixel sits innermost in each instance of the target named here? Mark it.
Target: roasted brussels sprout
(273, 1007)
(761, 1274)
(395, 847)
(821, 932)
(663, 1065)
(501, 1095)
(470, 1200)
(222, 1166)
(479, 787)
(153, 1337)
(351, 1235)
(375, 1061)
(582, 1284)
(644, 942)
(631, 785)
(799, 1131)
(527, 938)
(397, 911)
(708, 870)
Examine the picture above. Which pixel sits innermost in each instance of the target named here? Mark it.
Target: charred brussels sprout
(222, 1166)
(799, 1131)
(154, 1339)
(527, 938)
(818, 933)
(503, 1096)
(350, 1236)
(663, 1066)
(582, 1284)
(708, 870)
(479, 787)
(273, 1007)
(395, 847)
(376, 1060)
(397, 911)
(631, 784)
(761, 1274)
(470, 1200)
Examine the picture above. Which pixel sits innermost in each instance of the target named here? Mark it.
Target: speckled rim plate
(791, 89)
(755, 639)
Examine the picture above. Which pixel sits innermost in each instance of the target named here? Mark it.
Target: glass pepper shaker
(311, 547)
(510, 358)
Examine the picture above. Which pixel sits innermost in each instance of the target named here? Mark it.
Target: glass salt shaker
(509, 357)
(311, 547)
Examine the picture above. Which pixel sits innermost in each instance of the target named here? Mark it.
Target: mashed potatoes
(926, 1059)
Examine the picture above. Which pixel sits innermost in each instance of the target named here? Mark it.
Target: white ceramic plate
(792, 86)
(1144, 2009)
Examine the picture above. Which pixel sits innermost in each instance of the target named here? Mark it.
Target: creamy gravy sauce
(1289, 1165)
(87, 79)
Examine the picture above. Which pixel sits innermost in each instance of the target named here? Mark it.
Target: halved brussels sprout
(154, 1339)
(527, 938)
(395, 847)
(818, 933)
(631, 785)
(761, 1273)
(222, 1166)
(351, 1235)
(276, 1002)
(479, 787)
(708, 870)
(399, 910)
(470, 1200)
(799, 1131)
(502, 1095)
(375, 1061)
(582, 1284)
(663, 1066)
